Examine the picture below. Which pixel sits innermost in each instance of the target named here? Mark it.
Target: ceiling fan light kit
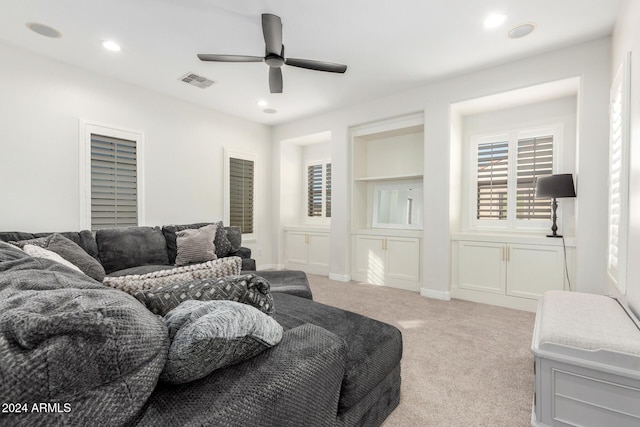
(274, 57)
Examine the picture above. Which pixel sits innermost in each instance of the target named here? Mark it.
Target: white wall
(41, 104)
(626, 38)
(589, 61)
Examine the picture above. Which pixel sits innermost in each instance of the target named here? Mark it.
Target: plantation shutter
(328, 191)
(492, 180)
(114, 182)
(314, 190)
(241, 194)
(616, 141)
(535, 158)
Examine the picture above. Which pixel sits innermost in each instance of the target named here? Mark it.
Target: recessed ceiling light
(110, 45)
(262, 103)
(269, 111)
(521, 30)
(494, 20)
(44, 30)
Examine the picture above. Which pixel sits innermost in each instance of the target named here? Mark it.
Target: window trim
(323, 219)
(622, 82)
(512, 136)
(228, 155)
(86, 129)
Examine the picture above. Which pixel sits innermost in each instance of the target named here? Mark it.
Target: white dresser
(587, 362)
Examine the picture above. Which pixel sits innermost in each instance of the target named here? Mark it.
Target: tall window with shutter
(241, 194)
(114, 182)
(319, 190)
(619, 108)
(504, 172)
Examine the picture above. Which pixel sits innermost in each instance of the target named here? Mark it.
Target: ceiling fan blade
(309, 64)
(229, 58)
(275, 80)
(272, 31)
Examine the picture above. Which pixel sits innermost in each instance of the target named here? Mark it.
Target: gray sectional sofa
(76, 352)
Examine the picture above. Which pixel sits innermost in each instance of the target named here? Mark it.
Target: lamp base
(554, 235)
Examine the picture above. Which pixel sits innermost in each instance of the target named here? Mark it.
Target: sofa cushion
(126, 247)
(210, 335)
(221, 242)
(291, 282)
(248, 289)
(196, 245)
(219, 268)
(70, 251)
(65, 338)
(374, 348)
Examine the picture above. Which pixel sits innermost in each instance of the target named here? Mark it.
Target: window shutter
(492, 174)
(241, 194)
(314, 190)
(535, 158)
(618, 178)
(114, 182)
(328, 191)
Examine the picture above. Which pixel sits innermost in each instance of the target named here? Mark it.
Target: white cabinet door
(402, 261)
(534, 269)
(387, 260)
(296, 248)
(481, 266)
(318, 252)
(369, 258)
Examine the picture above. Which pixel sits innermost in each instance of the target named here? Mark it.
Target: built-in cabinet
(307, 249)
(387, 204)
(387, 260)
(511, 271)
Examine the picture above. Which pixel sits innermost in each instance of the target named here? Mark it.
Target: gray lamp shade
(555, 186)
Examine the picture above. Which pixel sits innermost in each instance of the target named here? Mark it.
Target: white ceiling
(388, 46)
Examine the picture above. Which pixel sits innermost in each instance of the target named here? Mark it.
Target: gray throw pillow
(70, 251)
(196, 245)
(210, 335)
(248, 289)
(221, 242)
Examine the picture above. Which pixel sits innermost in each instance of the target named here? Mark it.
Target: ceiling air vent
(196, 80)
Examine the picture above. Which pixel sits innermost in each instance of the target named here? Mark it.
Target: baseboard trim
(340, 277)
(430, 293)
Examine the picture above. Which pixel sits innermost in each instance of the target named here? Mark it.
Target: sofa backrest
(84, 239)
(127, 247)
(122, 248)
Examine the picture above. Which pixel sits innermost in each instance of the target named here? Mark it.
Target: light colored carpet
(464, 364)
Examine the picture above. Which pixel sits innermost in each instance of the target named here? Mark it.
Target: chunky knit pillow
(229, 266)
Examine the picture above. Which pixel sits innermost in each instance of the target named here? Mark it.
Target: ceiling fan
(274, 58)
